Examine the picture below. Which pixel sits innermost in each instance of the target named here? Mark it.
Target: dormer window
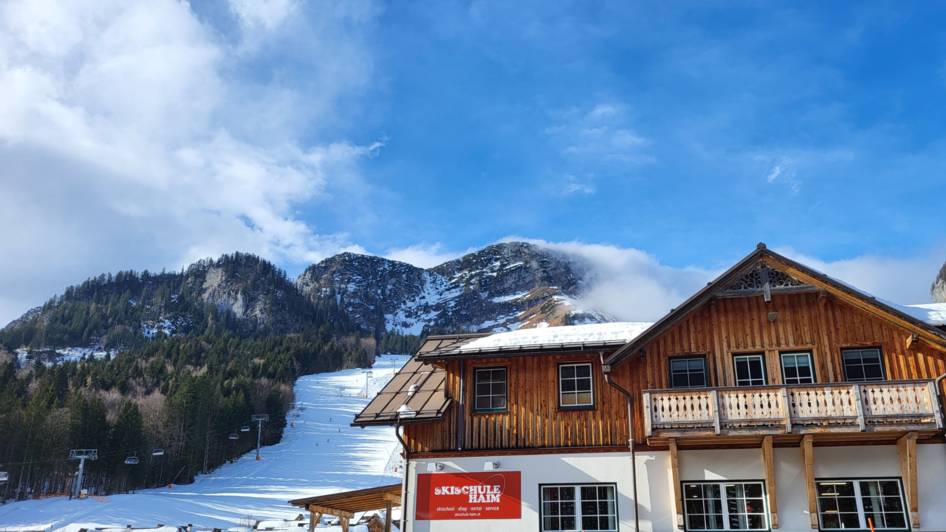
(575, 388)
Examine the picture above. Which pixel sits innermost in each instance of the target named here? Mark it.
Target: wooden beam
(677, 489)
(906, 448)
(330, 511)
(314, 518)
(808, 462)
(912, 341)
(344, 524)
(392, 498)
(769, 459)
(387, 516)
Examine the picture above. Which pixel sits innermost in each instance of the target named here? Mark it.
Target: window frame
(765, 372)
(811, 361)
(706, 375)
(883, 365)
(591, 376)
(578, 486)
(724, 506)
(860, 503)
(505, 395)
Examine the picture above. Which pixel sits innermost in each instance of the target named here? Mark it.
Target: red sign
(493, 495)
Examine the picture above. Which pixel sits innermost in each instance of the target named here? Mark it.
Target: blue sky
(149, 134)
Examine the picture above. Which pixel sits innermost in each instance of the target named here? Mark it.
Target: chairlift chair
(245, 428)
(157, 452)
(131, 460)
(234, 436)
(4, 476)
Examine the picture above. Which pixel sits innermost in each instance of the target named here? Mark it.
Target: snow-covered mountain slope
(319, 454)
(502, 287)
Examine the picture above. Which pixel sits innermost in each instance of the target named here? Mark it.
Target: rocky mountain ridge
(502, 287)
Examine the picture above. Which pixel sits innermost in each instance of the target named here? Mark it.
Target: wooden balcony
(890, 406)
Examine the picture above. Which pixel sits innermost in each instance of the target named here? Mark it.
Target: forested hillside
(189, 357)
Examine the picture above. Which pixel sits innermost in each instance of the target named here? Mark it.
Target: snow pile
(575, 334)
(319, 454)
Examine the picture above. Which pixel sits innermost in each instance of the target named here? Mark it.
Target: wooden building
(774, 398)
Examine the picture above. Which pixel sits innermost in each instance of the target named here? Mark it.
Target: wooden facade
(533, 419)
(808, 315)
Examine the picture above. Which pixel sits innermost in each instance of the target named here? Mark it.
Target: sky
(662, 141)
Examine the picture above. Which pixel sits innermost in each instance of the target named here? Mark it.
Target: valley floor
(320, 454)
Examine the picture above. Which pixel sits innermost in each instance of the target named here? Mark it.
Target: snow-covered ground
(320, 454)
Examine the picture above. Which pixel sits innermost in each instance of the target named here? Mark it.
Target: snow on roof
(931, 313)
(574, 334)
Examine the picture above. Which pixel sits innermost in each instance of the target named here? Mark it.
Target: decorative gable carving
(757, 279)
(764, 280)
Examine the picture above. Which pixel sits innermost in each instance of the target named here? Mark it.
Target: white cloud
(127, 142)
(598, 137)
(266, 13)
(573, 185)
(783, 170)
(632, 285)
(903, 280)
(628, 283)
(424, 255)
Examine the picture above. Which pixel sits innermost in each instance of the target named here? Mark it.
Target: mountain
(241, 293)
(502, 287)
(938, 289)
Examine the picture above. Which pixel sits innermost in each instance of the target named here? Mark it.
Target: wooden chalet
(774, 398)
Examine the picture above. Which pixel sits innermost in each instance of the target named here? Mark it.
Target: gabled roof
(417, 393)
(750, 276)
(352, 502)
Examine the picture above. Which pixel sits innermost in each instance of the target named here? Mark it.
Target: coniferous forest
(190, 357)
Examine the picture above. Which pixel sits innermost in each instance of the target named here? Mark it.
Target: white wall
(536, 469)
(655, 487)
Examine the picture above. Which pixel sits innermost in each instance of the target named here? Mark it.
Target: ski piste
(320, 453)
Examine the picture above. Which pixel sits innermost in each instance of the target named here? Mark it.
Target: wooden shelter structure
(346, 504)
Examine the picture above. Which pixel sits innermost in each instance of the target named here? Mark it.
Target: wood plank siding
(533, 419)
(814, 322)
(806, 322)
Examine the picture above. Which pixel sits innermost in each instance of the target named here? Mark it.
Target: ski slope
(320, 454)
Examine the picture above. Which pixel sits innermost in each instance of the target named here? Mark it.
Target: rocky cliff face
(938, 290)
(502, 287)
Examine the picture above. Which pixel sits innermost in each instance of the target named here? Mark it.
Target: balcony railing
(802, 409)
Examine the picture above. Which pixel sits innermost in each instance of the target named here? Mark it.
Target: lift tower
(82, 455)
(259, 418)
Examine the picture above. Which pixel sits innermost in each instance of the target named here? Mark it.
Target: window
(750, 370)
(850, 503)
(688, 372)
(582, 507)
(574, 386)
(490, 390)
(797, 368)
(724, 506)
(863, 364)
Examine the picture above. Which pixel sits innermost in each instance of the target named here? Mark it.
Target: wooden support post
(912, 341)
(387, 516)
(677, 489)
(344, 524)
(768, 457)
(314, 518)
(906, 447)
(808, 462)
(715, 397)
(859, 403)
